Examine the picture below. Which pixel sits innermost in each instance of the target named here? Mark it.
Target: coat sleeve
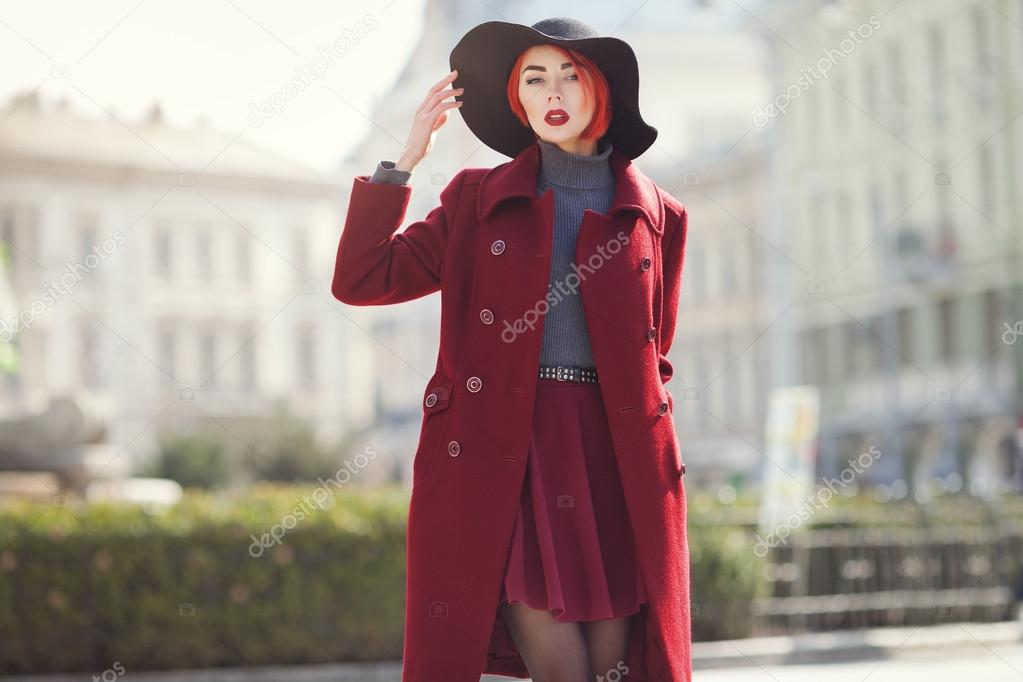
(375, 266)
(672, 258)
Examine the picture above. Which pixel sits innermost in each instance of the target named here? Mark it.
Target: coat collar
(634, 191)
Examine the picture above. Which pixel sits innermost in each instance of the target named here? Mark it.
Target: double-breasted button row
(497, 248)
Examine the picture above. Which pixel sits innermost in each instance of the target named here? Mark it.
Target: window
(983, 62)
(207, 359)
(167, 352)
(861, 342)
(162, 256)
(306, 348)
(19, 229)
(818, 231)
(844, 221)
(203, 254)
(728, 265)
(936, 54)
(86, 238)
(876, 210)
(946, 330)
(993, 322)
(870, 89)
(9, 236)
(247, 367)
(243, 257)
(841, 104)
(300, 245)
(816, 352)
(985, 159)
(89, 354)
(897, 96)
(904, 329)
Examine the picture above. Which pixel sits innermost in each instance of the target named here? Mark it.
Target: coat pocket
(436, 399)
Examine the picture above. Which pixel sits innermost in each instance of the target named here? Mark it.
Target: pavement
(931, 653)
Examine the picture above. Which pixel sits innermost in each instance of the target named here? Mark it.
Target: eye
(574, 75)
(534, 78)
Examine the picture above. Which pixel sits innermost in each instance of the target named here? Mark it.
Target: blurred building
(174, 276)
(724, 333)
(898, 160)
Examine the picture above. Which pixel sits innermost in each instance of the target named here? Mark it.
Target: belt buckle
(561, 375)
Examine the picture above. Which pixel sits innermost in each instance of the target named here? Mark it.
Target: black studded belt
(564, 373)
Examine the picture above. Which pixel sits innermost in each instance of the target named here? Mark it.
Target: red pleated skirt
(572, 549)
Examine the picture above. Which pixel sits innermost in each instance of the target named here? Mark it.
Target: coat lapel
(517, 178)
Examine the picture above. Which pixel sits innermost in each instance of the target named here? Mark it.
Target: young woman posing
(548, 475)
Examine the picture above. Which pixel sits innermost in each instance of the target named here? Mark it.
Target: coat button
(487, 315)
(474, 384)
(682, 471)
(454, 448)
(646, 263)
(431, 400)
(651, 334)
(662, 409)
(497, 248)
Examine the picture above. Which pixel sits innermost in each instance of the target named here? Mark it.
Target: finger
(432, 99)
(442, 107)
(443, 81)
(444, 94)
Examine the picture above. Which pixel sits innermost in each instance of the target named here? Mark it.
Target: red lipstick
(556, 117)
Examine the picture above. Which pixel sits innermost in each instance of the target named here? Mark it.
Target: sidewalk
(816, 647)
(852, 644)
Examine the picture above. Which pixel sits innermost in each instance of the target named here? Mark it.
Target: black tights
(568, 652)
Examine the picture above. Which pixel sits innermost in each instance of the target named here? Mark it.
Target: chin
(556, 135)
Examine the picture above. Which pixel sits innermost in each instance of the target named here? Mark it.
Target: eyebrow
(534, 67)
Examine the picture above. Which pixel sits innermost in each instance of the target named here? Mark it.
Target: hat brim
(484, 57)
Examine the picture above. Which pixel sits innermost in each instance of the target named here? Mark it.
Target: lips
(556, 117)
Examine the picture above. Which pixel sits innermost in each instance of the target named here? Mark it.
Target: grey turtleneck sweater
(579, 182)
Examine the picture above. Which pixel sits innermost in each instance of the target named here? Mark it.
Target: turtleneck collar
(578, 171)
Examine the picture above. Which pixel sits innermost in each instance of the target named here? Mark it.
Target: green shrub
(83, 587)
(288, 453)
(192, 461)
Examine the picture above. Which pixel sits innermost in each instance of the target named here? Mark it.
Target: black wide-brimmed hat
(486, 54)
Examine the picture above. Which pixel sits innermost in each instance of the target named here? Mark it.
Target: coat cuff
(386, 172)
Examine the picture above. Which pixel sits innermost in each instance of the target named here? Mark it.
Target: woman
(551, 541)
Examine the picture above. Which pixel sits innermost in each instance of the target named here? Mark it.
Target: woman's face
(547, 84)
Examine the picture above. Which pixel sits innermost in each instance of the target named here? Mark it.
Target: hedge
(84, 587)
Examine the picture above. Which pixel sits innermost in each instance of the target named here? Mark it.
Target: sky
(218, 59)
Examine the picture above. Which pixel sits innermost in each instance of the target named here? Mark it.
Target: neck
(580, 171)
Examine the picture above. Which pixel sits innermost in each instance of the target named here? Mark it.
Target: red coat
(487, 249)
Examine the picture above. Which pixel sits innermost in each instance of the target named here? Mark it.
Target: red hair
(595, 90)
